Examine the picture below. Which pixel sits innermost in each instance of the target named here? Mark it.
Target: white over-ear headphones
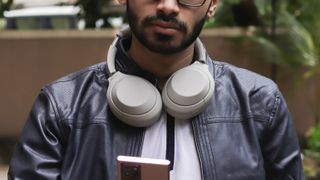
(137, 102)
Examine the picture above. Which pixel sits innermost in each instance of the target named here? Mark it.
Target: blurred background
(42, 40)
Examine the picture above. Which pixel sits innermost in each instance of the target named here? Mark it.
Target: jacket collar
(125, 64)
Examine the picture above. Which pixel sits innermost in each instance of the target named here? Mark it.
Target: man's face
(164, 26)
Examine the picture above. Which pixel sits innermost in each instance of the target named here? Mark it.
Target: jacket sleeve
(39, 151)
(281, 148)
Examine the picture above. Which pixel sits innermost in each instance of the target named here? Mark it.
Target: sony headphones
(137, 102)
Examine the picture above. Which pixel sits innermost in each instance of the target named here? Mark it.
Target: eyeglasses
(191, 3)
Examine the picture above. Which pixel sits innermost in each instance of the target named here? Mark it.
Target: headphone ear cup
(188, 91)
(133, 100)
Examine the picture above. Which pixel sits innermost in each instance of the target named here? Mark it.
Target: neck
(161, 65)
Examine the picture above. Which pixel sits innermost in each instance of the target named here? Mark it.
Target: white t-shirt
(186, 162)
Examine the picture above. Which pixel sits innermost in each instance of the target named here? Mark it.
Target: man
(218, 122)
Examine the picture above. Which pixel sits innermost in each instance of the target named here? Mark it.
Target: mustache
(162, 17)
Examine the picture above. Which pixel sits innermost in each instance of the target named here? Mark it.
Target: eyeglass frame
(191, 5)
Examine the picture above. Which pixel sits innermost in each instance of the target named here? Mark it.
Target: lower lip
(164, 30)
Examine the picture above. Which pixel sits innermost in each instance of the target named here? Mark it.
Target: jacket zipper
(139, 138)
(140, 145)
(141, 135)
(195, 136)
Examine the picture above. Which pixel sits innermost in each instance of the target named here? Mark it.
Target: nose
(168, 7)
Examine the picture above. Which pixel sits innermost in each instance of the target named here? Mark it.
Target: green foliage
(297, 42)
(300, 17)
(313, 143)
(308, 15)
(297, 35)
(4, 5)
(312, 153)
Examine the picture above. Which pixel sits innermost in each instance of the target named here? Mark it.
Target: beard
(161, 43)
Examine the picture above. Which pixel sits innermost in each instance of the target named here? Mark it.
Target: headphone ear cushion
(188, 91)
(133, 100)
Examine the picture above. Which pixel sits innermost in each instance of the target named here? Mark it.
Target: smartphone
(138, 168)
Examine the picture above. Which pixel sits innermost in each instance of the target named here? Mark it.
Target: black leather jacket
(246, 133)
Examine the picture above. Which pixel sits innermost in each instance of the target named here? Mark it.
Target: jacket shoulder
(94, 70)
(76, 92)
(249, 79)
(256, 95)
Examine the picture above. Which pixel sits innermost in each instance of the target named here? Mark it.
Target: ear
(212, 8)
(122, 2)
